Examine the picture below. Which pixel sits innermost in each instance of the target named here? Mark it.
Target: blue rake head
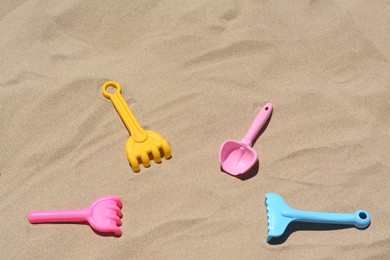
(277, 223)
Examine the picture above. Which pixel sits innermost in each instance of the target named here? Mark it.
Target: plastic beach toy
(103, 215)
(237, 157)
(280, 215)
(142, 145)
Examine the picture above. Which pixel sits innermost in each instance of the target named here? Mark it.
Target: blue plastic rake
(280, 215)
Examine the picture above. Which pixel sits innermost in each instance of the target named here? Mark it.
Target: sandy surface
(197, 72)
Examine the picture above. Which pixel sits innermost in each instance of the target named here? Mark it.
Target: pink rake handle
(53, 216)
(258, 124)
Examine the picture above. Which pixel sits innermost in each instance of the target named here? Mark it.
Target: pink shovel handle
(258, 124)
(58, 216)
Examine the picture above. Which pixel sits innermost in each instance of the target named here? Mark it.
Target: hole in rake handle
(111, 89)
(362, 215)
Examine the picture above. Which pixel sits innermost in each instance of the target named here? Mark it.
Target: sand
(196, 72)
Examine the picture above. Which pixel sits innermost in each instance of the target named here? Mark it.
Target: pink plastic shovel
(103, 215)
(237, 157)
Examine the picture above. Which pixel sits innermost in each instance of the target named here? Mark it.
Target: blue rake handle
(360, 219)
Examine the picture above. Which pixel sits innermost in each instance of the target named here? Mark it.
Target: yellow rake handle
(137, 132)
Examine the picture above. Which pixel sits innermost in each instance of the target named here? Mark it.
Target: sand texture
(197, 72)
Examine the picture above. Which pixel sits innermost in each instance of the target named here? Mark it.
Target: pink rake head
(103, 215)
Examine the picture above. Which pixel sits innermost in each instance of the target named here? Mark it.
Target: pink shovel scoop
(237, 157)
(103, 215)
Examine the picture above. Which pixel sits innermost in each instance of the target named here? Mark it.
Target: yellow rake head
(143, 145)
(153, 148)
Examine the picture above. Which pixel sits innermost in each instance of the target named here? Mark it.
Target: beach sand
(197, 72)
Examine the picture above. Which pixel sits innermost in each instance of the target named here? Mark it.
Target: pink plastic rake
(103, 215)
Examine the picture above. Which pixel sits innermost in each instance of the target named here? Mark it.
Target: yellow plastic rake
(143, 145)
